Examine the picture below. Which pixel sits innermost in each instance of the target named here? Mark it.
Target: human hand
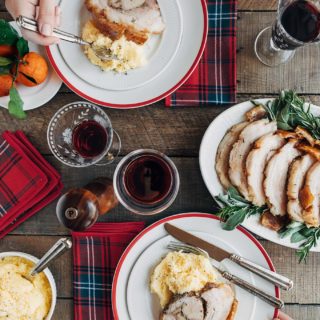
(45, 12)
(282, 316)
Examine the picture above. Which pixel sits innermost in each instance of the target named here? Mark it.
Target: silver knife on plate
(219, 254)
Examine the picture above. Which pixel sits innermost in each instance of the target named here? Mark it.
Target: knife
(219, 254)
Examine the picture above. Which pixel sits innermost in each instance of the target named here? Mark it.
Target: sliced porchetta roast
(256, 162)
(223, 152)
(220, 301)
(186, 306)
(136, 20)
(276, 173)
(213, 302)
(310, 195)
(297, 174)
(241, 149)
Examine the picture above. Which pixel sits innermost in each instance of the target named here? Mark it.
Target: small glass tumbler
(80, 134)
(146, 182)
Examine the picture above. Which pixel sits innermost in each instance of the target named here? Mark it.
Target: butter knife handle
(271, 276)
(275, 302)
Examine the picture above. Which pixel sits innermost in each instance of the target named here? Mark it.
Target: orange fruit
(5, 84)
(6, 50)
(32, 66)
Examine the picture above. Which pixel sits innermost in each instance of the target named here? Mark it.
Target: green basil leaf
(16, 104)
(22, 46)
(8, 34)
(5, 70)
(5, 61)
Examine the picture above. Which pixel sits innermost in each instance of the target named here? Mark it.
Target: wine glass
(80, 134)
(297, 24)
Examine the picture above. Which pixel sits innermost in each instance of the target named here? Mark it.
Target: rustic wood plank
(302, 73)
(305, 276)
(257, 5)
(301, 312)
(175, 131)
(64, 310)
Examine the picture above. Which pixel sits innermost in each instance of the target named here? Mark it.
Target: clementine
(7, 51)
(5, 84)
(32, 70)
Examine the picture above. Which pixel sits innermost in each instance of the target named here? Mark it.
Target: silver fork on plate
(101, 52)
(275, 302)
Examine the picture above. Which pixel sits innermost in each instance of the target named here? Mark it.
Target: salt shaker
(79, 208)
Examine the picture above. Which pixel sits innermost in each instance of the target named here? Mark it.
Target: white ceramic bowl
(47, 272)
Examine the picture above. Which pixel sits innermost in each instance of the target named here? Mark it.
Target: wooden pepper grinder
(80, 208)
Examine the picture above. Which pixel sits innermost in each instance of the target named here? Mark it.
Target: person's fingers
(38, 38)
(282, 316)
(46, 20)
(57, 13)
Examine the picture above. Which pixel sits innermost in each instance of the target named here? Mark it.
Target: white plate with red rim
(173, 57)
(158, 52)
(208, 149)
(130, 290)
(35, 97)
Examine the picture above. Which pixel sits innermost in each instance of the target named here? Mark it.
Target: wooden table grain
(177, 132)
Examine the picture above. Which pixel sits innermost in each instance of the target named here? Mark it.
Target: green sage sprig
(235, 209)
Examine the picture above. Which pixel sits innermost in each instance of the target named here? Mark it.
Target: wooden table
(177, 132)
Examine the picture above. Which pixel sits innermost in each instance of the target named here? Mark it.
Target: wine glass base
(267, 53)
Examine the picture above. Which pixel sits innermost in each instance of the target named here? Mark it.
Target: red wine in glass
(298, 24)
(89, 139)
(148, 179)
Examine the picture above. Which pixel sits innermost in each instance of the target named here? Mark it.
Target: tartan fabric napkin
(27, 182)
(96, 253)
(214, 79)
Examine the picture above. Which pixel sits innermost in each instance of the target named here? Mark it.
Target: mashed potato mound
(130, 54)
(21, 298)
(179, 273)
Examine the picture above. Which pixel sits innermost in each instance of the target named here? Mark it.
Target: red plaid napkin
(214, 79)
(96, 253)
(27, 182)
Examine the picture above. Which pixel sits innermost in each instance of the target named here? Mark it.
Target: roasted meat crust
(115, 30)
(272, 222)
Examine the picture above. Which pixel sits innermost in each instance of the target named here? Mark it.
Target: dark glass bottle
(79, 208)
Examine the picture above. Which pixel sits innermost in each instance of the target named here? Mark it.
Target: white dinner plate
(159, 50)
(35, 97)
(173, 57)
(131, 297)
(207, 155)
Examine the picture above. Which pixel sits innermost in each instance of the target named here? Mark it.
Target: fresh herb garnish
(235, 209)
(298, 232)
(22, 47)
(16, 104)
(5, 61)
(8, 34)
(291, 111)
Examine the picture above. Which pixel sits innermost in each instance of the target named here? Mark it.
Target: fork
(275, 302)
(31, 25)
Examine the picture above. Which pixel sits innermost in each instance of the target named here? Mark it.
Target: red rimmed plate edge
(175, 217)
(145, 103)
